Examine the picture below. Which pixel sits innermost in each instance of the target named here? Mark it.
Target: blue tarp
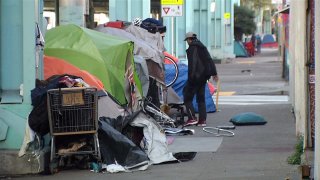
(180, 83)
(268, 38)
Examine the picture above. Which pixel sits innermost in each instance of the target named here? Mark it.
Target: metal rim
(219, 132)
(176, 71)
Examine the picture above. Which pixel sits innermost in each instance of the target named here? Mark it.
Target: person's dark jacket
(200, 64)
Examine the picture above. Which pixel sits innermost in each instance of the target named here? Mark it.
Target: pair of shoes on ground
(200, 122)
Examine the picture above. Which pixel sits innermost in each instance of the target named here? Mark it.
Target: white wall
(298, 70)
(317, 90)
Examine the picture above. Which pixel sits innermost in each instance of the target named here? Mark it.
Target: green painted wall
(127, 10)
(11, 41)
(210, 26)
(197, 17)
(17, 60)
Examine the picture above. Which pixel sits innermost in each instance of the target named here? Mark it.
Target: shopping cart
(72, 113)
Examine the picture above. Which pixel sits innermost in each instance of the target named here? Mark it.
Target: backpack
(152, 25)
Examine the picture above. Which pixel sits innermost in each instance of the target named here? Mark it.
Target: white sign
(171, 10)
(312, 79)
(212, 7)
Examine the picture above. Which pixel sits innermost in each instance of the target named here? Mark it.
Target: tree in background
(243, 22)
(257, 4)
(263, 12)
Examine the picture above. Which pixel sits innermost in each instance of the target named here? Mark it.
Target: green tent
(239, 49)
(107, 57)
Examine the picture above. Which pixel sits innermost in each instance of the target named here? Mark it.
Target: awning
(285, 10)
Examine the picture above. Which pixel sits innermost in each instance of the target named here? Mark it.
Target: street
(255, 152)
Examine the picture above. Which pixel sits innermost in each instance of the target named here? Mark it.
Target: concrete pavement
(255, 152)
(258, 75)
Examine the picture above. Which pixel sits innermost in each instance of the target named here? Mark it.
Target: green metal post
(127, 10)
(17, 68)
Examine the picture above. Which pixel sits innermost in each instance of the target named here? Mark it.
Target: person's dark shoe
(202, 123)
(191, 122)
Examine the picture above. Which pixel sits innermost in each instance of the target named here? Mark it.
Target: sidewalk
(257, 75)
(255, 152)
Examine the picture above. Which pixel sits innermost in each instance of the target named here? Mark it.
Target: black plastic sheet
(115, 146)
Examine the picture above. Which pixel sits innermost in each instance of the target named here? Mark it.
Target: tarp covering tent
(116, 147)
(156, 145)
(268, 38)
(150, 47)
(239, 49)
(55, 66)
(143, 73)
(153, 39)
(141, 47)
(107, 57)
(180, 83)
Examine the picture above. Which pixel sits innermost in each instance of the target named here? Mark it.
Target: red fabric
(250, 48)
(270, 45)
(171, 56)
(211, 88)
(56, 66)
(114, 24)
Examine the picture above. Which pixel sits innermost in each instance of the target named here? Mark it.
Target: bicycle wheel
(218, 131)
(171, 79)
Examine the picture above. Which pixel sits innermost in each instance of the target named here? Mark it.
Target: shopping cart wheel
(53, 166)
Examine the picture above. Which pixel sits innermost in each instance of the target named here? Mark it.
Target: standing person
(258, 43)
(253, 41)
(200, 69)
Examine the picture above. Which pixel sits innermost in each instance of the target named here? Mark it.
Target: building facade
(18, 21)
(304, 75)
